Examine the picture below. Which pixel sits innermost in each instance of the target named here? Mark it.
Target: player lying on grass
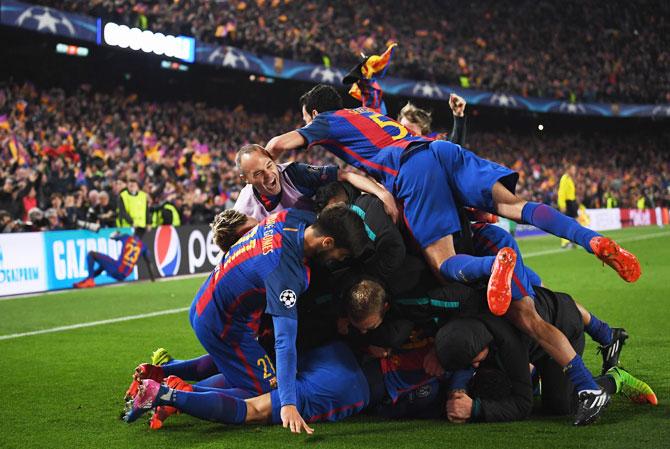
(330, 384)
(369, 313)
(429, 178)
(131, 250)
(264, 272)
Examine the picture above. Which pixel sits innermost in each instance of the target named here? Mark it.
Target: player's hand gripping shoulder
(290, 418)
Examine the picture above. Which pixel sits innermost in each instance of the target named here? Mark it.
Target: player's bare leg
(524, 316)
(548, 219)
(441, 254)
(259, 409)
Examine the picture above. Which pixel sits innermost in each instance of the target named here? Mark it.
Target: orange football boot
(144, 371)
(499, 292)
(164, 411)
(86, 283)
(623, 262)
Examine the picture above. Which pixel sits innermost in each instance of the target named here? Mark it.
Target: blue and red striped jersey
(363, 138)
(131, 251)
(264, 271)
(403, 372)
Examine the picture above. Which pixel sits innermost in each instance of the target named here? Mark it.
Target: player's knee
(259, 410)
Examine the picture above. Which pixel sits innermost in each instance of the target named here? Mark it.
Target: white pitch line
(111, 285)
(184, 309)
(94, 323)
(623, 240)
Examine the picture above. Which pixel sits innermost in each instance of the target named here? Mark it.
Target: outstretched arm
(372, 187)
(457, 105)
(286, 330)
(285, 142)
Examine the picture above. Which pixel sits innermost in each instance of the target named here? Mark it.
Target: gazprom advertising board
(40, 261)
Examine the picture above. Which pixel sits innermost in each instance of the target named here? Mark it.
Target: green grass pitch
(64, 389)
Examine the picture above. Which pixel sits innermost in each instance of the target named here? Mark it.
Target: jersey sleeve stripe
(358, 157)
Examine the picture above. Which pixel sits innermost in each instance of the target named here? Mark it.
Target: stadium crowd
(65, 157)
(598, 51)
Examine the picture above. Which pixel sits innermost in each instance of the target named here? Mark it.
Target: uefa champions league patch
(288, 298)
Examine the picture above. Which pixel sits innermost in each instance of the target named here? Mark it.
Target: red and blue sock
(550, 220)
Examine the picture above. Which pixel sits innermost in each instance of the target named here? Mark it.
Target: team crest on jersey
(288, 298)
(424, 391)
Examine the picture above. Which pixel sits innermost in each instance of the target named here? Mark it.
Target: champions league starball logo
(662, 110)
(45, 19)
(572, 108)
(426, 89)
(229, 57)
(288, 298)
(326, 75)
(503, 100)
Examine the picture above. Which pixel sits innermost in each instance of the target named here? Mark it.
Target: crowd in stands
(575, 50)
(65, 157)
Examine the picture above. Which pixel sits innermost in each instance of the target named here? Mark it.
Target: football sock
(580, 377)
(466, 268)
(238, 393)
(193, 369)
(599, 331)
(215, 381)
(550, 220)
(210, 405)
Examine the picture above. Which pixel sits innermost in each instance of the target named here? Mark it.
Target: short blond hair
(225, 226)
(366, 297)
(418, 116)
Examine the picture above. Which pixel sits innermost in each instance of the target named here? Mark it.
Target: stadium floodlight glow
(72, 50)
(180, 47)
